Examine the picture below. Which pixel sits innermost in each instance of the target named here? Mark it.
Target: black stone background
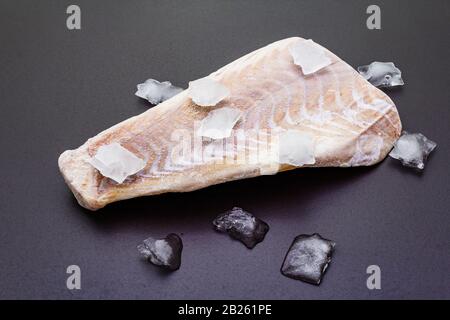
(60, 87)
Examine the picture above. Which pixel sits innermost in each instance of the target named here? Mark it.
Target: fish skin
(353, 123)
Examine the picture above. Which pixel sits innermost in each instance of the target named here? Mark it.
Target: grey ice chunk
(242, 225)
(412, 149)
(155, 91)
(165, 252)
(308, 258)
(382, 74)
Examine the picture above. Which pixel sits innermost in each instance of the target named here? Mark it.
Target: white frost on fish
(367, 149)
(207, 92)
(115, 162)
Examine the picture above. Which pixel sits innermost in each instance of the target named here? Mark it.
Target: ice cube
(412, 149)
(165, 253)
(309, 56)
(308, 258)
(115, 162)
(219, 123)
(242, 225)
(207, 92)
(155, 91)
(296, 148)
(382, 74)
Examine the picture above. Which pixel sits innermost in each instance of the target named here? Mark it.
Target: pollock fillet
(352, 124)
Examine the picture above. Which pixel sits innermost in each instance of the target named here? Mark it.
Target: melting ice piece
(242, 225)
(382, 74)
(412, 149)
(309, 56)
(165, 252)
(155, 91)
(219, 123)
(207, 92)
(296, 148)
(115, 162)
(308, 258)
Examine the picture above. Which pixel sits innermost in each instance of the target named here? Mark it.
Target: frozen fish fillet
(351, 123)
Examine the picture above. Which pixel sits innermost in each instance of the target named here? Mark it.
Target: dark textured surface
(60, 87)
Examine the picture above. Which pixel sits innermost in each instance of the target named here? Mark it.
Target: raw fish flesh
(345, 120)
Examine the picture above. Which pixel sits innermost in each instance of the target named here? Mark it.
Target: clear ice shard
(382, 74)
(412, 149)
(115, 162)
(156, 92)
(207, 92)
(308, 258)
(165, 253)
(242, 225)
(219, 123)
(309, 56)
